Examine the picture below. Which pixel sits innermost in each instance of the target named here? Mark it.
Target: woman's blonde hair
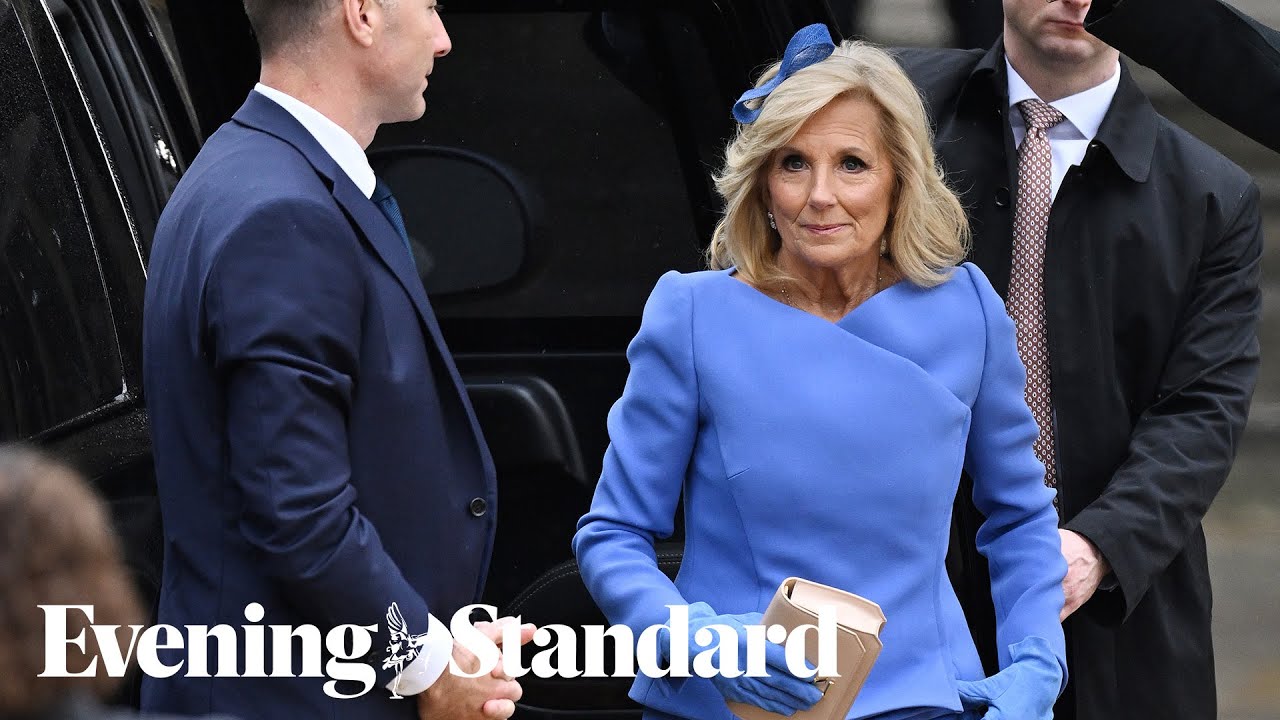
(57, 547)
(927, 233)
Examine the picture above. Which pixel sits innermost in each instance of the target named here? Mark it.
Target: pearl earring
(773, 224)
(884, 245)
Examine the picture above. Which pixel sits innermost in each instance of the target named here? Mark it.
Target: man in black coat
(1151, 253)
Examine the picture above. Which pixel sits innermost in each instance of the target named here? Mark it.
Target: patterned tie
(386, 202)
(1026, 280)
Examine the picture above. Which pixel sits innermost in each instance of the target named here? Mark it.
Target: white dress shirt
(437, 644)
(337, 142)
(1069, 139)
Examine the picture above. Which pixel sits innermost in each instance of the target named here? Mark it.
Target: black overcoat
(1152, 303)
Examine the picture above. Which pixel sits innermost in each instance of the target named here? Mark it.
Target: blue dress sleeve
(652, 429)
(1020, 535)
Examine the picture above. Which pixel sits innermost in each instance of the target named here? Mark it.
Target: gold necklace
(786, 297)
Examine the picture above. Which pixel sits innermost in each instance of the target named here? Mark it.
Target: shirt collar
(1084, 110)
(339, 143)
(1128, 132)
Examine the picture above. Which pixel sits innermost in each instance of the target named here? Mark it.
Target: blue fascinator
(810, 44)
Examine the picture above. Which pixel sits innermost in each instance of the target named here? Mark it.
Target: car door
(61, 356)
(94, 134)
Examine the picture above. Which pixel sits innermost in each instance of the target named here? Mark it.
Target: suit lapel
(386, 242)
(263, 114)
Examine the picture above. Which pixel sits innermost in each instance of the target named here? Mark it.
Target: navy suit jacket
(315, 450)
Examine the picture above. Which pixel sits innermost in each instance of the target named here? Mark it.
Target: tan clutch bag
(858, 624)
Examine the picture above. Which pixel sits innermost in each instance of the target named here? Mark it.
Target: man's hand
(499, 626)
(488, 697)
(1085, 569)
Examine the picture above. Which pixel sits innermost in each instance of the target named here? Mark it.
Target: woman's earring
(773, 224)
(884, 245)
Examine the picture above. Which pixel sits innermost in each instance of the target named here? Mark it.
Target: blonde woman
(815, 397)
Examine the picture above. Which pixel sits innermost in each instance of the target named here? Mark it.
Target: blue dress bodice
(830, 451)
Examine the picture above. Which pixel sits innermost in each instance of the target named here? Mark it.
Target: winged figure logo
(403, 647)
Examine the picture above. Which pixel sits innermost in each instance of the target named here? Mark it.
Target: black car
(562, 166)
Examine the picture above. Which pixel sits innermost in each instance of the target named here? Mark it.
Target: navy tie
(386, 202)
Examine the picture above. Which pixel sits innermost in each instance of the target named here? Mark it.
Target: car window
(578, 106)
(57, 343)
(123, 93)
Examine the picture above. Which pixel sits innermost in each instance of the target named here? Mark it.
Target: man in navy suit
(315, 450)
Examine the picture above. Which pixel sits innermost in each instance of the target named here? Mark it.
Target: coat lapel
(1129, 129)
(975, 143)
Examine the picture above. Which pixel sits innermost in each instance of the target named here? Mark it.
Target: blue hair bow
(810, 44)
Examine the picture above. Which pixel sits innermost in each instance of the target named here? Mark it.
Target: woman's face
(830, 189)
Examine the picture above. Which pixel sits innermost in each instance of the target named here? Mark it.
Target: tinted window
(579, 107)
(123, 92)
(57, 343)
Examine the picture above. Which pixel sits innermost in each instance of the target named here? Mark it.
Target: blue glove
(780, 692)
(1026, 690)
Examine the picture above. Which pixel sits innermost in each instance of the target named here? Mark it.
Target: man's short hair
(278, 23)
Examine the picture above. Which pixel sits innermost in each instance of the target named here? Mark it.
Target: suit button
(478, 507)
(1002, 197)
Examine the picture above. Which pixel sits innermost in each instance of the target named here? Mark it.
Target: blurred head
(56, 547)
(1052, 35)
(842, 155)
(387, 48)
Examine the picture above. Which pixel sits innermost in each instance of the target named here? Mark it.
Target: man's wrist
(1106, 578)
(432, 660)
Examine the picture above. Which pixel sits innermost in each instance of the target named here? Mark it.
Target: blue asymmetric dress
(828, 451)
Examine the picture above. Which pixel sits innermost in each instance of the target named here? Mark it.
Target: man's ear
(363, 19)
